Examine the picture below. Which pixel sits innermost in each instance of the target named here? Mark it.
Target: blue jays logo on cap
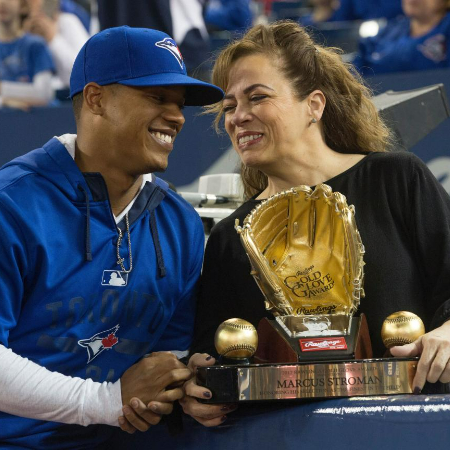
(99, 342)
(171, 45)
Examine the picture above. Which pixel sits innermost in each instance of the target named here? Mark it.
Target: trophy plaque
(307, 258)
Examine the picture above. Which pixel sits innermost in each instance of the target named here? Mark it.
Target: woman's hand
(434, 351)
(208, 415)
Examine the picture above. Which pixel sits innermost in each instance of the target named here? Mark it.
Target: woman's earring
(313, 120)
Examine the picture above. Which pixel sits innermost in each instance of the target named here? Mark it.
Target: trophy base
(269, 382)
(276, 346)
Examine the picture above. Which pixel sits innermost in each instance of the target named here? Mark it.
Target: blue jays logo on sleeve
(99, 342)
(170, 45)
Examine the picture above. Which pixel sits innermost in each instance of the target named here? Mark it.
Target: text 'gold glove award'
(306, 256)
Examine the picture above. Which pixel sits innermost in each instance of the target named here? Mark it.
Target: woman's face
(424, 9)
(263, 117)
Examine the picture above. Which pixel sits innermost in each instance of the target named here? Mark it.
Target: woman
(26, 65)
(297, 115)
(418, 41)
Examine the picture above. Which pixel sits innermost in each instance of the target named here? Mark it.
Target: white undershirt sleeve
(30, 390)
(39, 91)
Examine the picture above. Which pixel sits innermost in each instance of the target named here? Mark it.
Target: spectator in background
(25, 62)
(70, 6)
(64, 33)
(367, 9)
(182, 19)
(322, 11)
(229, 15)
(419, 41)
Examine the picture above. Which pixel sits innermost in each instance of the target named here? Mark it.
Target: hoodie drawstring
(87, 238)
(159, 255)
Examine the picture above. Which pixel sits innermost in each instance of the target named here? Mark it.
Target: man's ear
(93, 98)
(316, 103)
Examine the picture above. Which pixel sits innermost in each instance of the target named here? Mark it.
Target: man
(99, 259)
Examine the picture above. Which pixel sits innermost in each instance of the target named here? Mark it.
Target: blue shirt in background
(232, 15)
(69, 6)
(368, 9)
(22, 59)
(393, 49)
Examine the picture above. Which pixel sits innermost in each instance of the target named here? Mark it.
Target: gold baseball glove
(306, 252)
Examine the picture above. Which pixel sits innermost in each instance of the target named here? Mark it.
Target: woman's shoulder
(391, 158)
(395, 163)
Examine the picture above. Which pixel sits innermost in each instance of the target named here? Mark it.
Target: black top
(403, 216)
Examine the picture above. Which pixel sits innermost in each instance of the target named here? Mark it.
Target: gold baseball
(400, 328)
(236, 338)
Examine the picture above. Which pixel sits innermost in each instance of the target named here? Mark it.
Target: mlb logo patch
(114, 278)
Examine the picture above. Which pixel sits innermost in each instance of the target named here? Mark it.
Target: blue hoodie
(65, 302)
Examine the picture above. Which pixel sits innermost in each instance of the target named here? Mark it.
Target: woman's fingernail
(126, 410)
(207, 394)
(209, 358)
(154, 408)
(134, 404)
(417, 390)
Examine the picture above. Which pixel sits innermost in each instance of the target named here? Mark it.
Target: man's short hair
(77, 103)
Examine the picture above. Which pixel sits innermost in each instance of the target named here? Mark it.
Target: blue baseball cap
(137, 57)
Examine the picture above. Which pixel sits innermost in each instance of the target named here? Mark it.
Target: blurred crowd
(39, 39)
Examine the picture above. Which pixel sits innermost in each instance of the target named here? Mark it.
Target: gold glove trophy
(307, 258)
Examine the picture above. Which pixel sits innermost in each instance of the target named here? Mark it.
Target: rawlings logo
(325, 309)
(305, 271)
(320, 344)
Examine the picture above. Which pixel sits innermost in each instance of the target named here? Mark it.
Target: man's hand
(151, 384)
(434, 351)
(207, 414)
(138, 416)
